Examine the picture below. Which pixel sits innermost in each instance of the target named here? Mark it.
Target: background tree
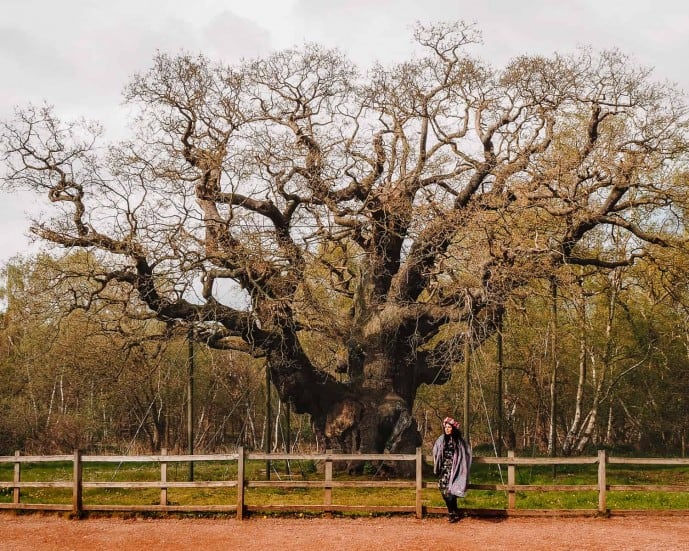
(392, 213)
(98, 379)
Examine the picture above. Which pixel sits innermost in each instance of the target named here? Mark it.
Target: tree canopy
(388, 216)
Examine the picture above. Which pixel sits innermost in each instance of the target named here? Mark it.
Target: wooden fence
(77, 484)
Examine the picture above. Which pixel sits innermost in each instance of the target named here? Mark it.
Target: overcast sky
(78, 54)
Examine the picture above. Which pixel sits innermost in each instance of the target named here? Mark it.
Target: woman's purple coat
(461, 463)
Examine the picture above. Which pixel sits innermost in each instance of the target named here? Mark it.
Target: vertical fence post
(163, 479)
(240, 482)
(602, 483)
(328, 492)
(511, 481)
(16, 491)
(77, 487)
(419, 482)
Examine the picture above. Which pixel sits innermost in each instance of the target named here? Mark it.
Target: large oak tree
(356, 229)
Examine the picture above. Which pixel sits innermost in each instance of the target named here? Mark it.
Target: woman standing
(451, 462)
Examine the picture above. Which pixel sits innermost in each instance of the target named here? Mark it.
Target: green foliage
(101, 380)
(79, 380)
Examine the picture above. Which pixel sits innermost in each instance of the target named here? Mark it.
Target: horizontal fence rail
(75, 486)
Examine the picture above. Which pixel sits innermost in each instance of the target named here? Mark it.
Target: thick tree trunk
(365, 416)
(372, 420)
(369, 421)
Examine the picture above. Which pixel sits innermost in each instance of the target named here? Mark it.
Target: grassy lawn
(306, 470)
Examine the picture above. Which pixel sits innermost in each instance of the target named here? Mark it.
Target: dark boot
(452, 510)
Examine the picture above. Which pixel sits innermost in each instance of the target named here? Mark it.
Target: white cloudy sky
(78, 54)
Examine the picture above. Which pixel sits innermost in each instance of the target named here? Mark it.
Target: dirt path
(48, 532)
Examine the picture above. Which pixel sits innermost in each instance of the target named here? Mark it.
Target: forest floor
(39, 532)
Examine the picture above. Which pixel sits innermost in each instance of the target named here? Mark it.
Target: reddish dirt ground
(52, 532)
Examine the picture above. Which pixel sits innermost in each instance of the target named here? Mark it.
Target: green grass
(587, 475)
(255, 470)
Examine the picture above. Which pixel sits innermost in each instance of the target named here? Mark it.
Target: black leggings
(451, 502)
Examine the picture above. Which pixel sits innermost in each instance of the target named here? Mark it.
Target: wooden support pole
(602, 482)
(511, 481)
(328, 492)
(77, 487)
(163, 479)
(419, 483)
(16, 491)
(240, 482)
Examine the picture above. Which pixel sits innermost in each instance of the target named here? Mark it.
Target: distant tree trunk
(599, 376)
(499, 404)
(574, 428)
(608, 431)
(554, 360)
(466, 412)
